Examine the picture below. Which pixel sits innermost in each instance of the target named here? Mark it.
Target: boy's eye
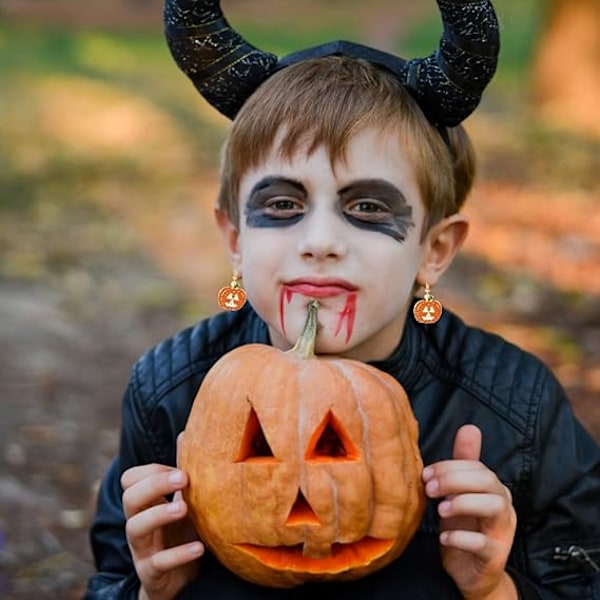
(276, 202)
(283, 206)
(368, 208)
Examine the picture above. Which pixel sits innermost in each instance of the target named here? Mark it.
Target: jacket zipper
(579, 555)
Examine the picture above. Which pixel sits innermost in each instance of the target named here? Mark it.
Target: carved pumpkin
(302, 468)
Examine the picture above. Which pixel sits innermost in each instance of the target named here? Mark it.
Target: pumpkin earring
(233, 296)
(428, 310)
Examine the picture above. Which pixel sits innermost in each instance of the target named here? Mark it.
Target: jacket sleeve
(115, 576)
(559, 504)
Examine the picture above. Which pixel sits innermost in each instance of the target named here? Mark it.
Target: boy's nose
(322, 239)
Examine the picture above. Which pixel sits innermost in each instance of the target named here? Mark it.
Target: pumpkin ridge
(401, 412)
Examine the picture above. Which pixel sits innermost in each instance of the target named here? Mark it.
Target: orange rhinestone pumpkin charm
(232, 297)
(428, 310)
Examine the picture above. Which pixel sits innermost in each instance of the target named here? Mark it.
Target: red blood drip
(284, 298)
(348, 315)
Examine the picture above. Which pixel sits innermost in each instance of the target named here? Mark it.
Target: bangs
(325, 102)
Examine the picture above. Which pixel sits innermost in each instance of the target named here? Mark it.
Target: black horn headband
(448, 84)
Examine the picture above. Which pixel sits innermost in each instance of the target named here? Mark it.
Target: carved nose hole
(254, 446)
(330, 442)
(302, 512)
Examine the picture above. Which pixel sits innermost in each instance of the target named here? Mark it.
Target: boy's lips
(320, 288)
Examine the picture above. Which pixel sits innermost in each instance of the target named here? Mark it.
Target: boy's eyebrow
(362, 187)
(376, 187)
(274, 180)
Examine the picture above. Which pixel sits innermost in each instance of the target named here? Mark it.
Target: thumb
(467, 443)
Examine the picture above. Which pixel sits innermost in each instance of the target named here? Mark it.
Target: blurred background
(108, 163)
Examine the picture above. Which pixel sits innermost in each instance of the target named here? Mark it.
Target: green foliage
(38, 48)
(130, 63)
(52, 192)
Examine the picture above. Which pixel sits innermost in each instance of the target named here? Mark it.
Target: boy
(341, 181)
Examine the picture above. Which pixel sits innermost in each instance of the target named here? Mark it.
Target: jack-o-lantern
(302, 467)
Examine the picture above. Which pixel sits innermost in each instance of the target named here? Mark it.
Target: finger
(473, 542)
(465, 453)
(134, 474)
(142, 526)
(467, 443)
(446, 466)
(463, 481)
(152, 490)
(491, 552)
(481, 506)
(172, 558)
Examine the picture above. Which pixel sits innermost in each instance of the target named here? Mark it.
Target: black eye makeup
(370, 204)
(276, 202)
(377, 205)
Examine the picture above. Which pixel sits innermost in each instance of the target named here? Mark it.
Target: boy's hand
(477, 520)
(162, 540)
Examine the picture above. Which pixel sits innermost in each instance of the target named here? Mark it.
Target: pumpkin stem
(305, 346)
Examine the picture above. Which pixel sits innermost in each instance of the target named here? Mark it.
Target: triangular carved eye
(254, 446)
(330, 442)
(302, 512)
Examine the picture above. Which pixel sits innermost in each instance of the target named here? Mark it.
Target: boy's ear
(230, 235)
(442, 243)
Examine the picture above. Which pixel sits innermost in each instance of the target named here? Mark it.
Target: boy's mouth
(319, 288)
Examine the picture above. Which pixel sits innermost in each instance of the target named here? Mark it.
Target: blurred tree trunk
(566, 75)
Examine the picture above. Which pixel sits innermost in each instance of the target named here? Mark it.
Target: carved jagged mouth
(342, 557)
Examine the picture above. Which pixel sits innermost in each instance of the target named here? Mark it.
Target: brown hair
(325, 102)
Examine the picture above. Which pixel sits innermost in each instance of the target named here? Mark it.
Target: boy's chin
(325, 343)
(334, 348)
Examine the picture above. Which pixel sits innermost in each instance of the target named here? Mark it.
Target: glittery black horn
(449, 83)
(224, 67)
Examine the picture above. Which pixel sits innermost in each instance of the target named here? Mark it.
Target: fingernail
(176, 477)
(196, 549)
(174, 507)
(432, 486)
(444, 508)
(427, 473)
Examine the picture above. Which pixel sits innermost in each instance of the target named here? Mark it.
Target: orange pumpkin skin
(302, 468)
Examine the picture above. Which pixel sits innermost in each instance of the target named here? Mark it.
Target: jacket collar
(403, 364)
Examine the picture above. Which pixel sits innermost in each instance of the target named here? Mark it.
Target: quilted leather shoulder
(196, 349)
(507, 378)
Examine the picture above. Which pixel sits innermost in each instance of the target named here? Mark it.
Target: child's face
(349, 237)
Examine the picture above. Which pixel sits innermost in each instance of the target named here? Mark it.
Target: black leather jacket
(453, 375)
